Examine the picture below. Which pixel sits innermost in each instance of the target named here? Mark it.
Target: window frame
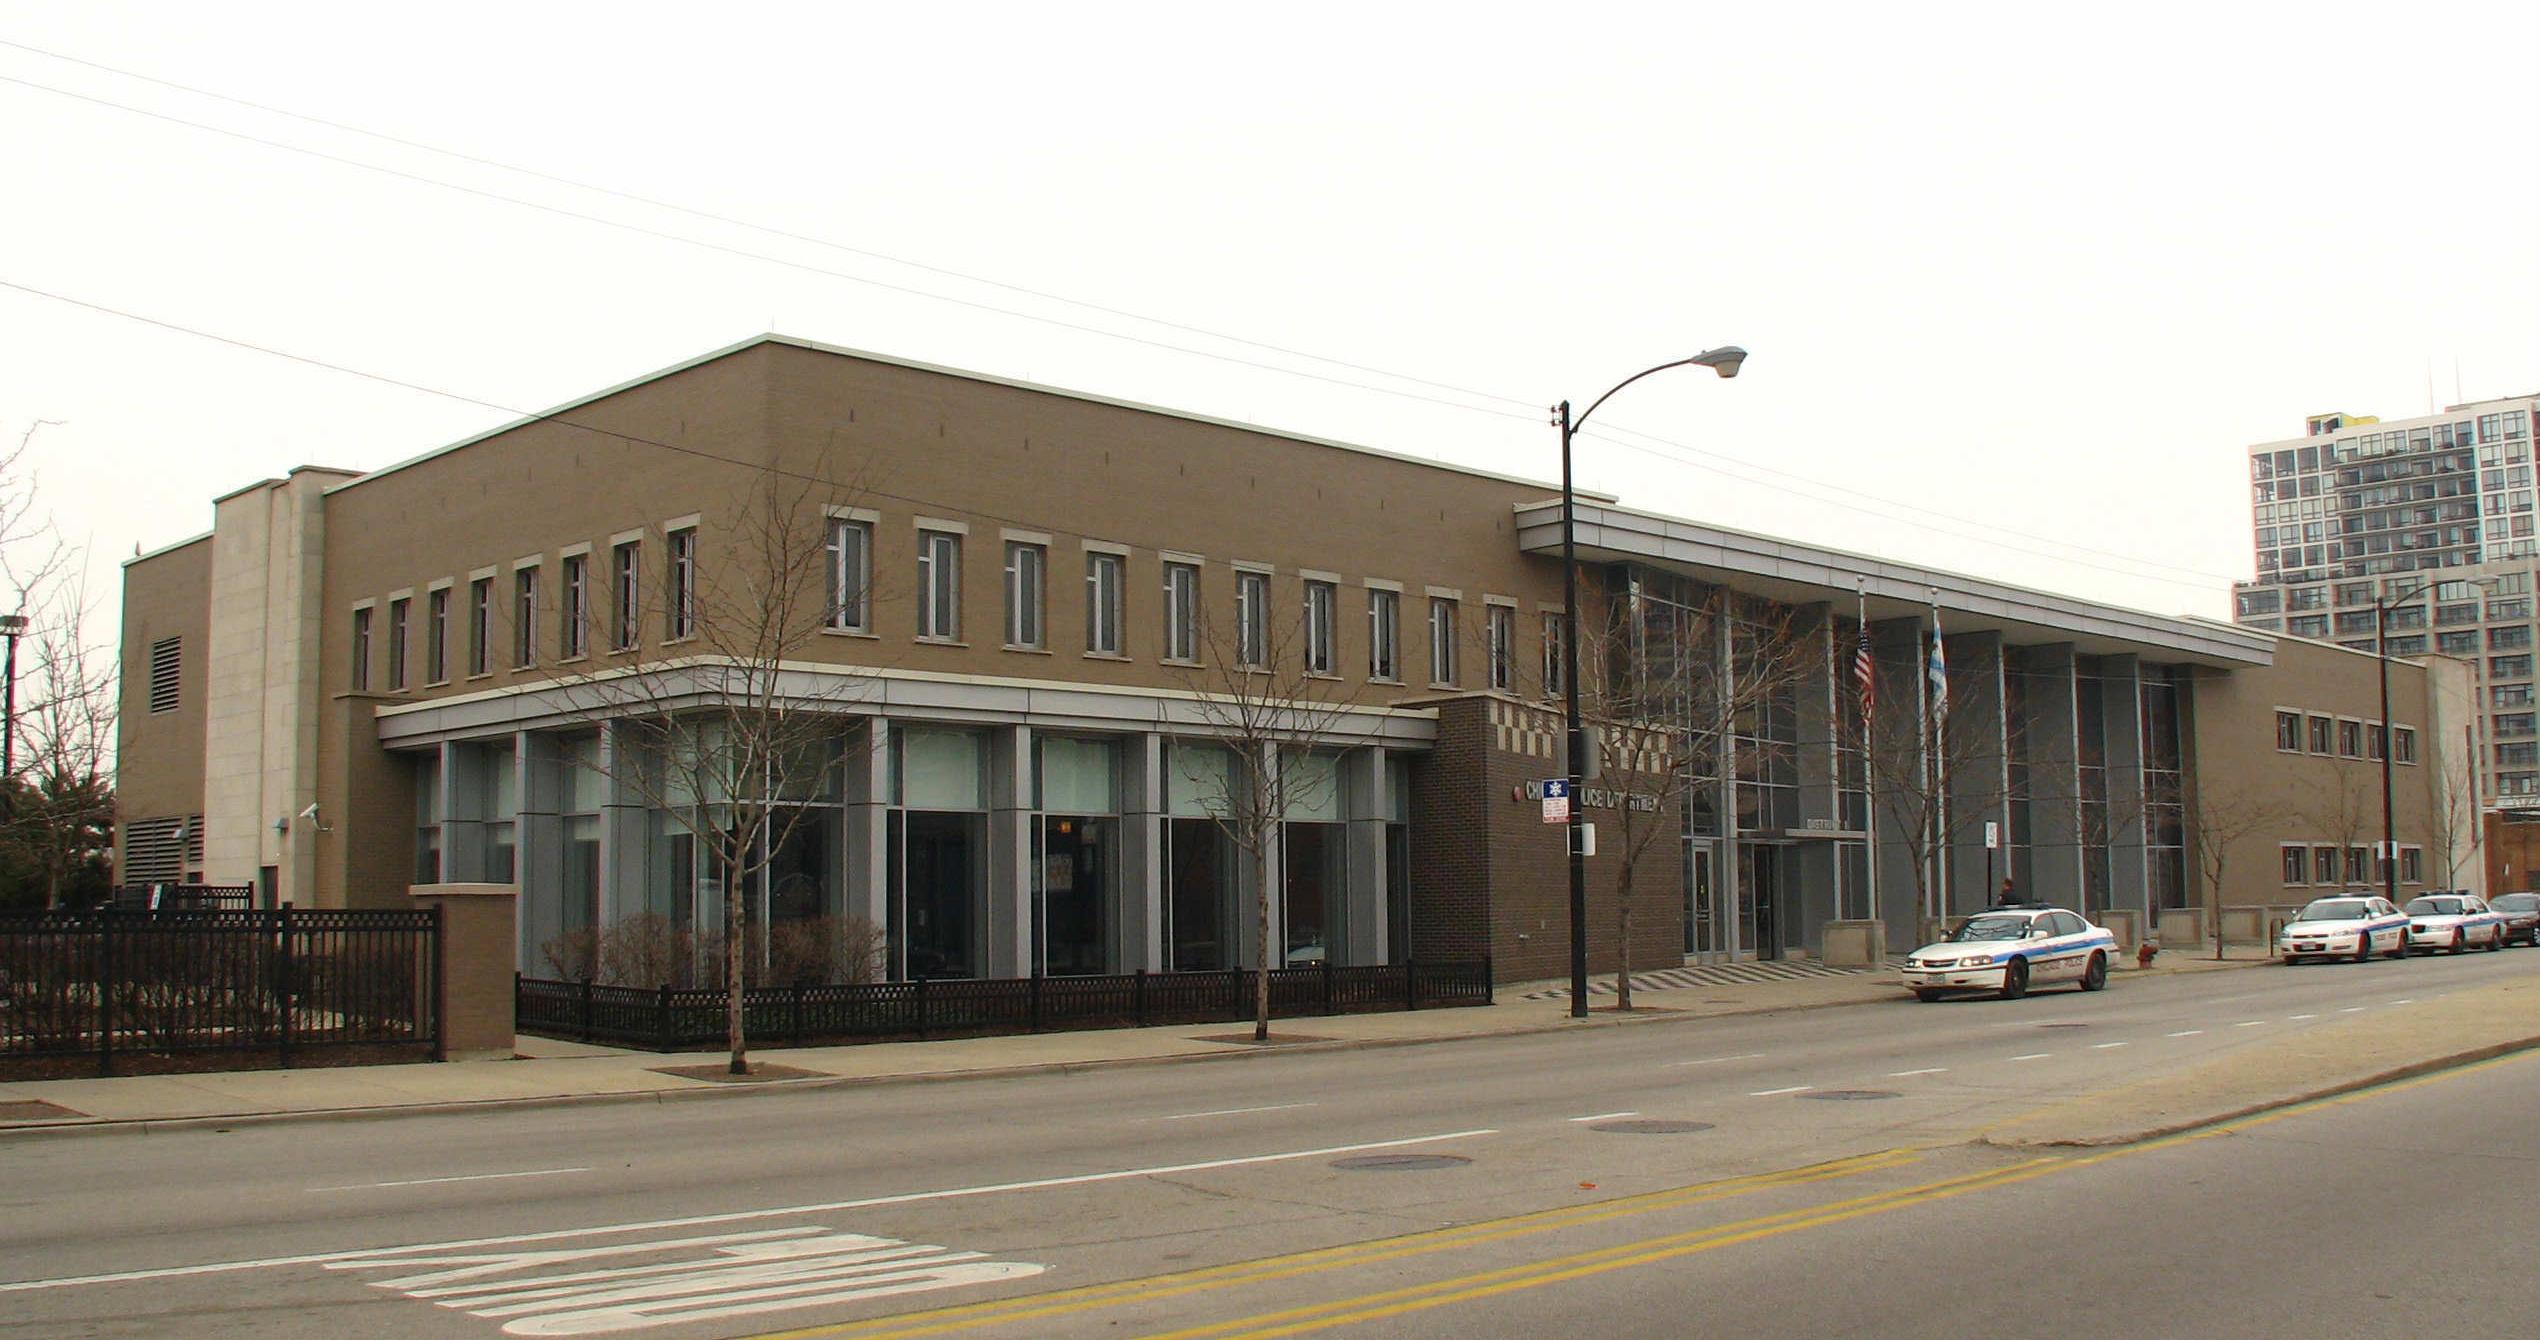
(626, 578)
(938, 584)
(573, 609)
(1181, 588)
(1443, 618)
(1106, 573)
(1384, 635)
(399, 609)
(480, 627)
(847, 564)
(679, 604)
(525, 616)
(1501, 624)
(361, 648)
(1252, 619)
(436, 636)
(1026, 596)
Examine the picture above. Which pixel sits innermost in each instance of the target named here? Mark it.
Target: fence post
(662, 1020)
(798, 1012)
(1488, 990)
(106, 994)
(1327, 982)
(283, 993)
(1036, 1003)
(921, 1007)
(438, 961)
(1138, 1001)
(1410, 984)
(590, 1011)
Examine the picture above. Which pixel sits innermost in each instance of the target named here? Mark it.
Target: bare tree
(728, 731)
(2217, 819)
(2459, 829)
(57, 803)
(1935, 782)
(1262, 685)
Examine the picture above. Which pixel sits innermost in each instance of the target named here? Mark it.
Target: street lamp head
(1725, 360)
(12, 624)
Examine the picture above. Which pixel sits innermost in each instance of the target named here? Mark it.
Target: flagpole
(1938, 673)
(1867, 671)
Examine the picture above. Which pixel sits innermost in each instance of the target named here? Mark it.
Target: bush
(575, 955)
(650, 951)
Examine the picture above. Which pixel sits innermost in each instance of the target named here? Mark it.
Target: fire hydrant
(2143, 953)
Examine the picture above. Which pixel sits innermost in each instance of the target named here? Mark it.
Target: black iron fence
(674, 1019)
(169, 897)
(204, 990)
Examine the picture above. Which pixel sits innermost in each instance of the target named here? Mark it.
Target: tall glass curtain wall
(938, 856)
(1076, 856)
(2164, 815)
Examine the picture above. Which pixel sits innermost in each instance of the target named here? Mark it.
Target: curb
(146, 1125)
(2412, 1070)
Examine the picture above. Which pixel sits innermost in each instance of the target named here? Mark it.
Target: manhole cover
(1648, 1127)
(1848, 1095)
(1399, 1162)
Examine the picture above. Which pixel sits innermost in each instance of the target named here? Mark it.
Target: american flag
(1865, 673)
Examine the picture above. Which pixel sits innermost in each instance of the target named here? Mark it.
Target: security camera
(310, 812)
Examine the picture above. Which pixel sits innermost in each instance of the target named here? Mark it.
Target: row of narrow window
(848, 608)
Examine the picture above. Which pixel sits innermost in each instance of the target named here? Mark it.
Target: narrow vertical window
(1102, 604)
(1181, 612)
(574, 611)
(680, 618)
(361, 650)
(627, 569)
(1319, 603)
(1441, 640)
(397, 644)
(1024, 565)
(938, 584)
(1555, 667)
(850, 575)
(480, 625)
(1252, 620)
(525, 618)
(1503, 647)
(436, 635)
(1384, 634)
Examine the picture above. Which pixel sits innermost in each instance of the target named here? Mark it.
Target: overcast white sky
(2042, 276)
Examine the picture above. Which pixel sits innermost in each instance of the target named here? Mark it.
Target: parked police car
(2007, 950)
(2358, 925)
(2453, 921)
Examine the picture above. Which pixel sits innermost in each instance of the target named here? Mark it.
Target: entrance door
(1702, 921)
(1760, 898)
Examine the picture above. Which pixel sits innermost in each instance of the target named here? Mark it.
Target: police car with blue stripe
(2007, 950)
(2456, 921)
(2356, 926)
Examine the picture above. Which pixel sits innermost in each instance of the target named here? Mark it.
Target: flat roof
(1798, 573)
(937, 369)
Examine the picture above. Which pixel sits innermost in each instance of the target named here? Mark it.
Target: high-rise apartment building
(2419, 531)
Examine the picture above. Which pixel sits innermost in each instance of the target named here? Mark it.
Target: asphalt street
(842, 1206)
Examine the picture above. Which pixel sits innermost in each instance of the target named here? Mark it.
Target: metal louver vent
(166, 656)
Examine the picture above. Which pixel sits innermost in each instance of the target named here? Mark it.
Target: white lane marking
(2352, 1009)
(436, 1181)
(1227, 1112)
(1716, 1060)
(2105, 1046)
(2033, 1056)
(2250, 1023)
(1776, 1093)
(2188, 1033)
(743, 1216)
(2290, 1017)
(768, 1270)
(1929, 1070)
(2405, 1000)
(1606, 1116)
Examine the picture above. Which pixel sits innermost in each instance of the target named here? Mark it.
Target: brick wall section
(1485, 863)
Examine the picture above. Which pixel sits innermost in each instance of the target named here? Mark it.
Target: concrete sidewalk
(561, 1072)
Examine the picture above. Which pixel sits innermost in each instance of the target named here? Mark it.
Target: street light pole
(1724, 360)
(11, 627)
(2389, 736)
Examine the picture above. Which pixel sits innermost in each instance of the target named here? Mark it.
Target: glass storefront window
(936, 928)
(1200, 907)
(939, 769)
(1316, 859)
(1072, 880)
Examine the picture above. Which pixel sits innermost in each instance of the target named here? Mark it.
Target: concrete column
(866, 789)
(1820, 896)
(2121, 720)
(1898, 736)
(1013, 930)
(1365, 785)
(1978, 751)
(1142, 842)
(623, 828)
(2053, 736)
(538, 847)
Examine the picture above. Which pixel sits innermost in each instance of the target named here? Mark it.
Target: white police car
(2453, 921)
(2007, 950)
(2357, 926)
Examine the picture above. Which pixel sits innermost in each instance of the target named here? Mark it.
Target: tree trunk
(1623, 904)
(1261, 939)
(735, 947)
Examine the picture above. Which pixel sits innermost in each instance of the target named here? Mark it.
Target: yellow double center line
(1157, 1287)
